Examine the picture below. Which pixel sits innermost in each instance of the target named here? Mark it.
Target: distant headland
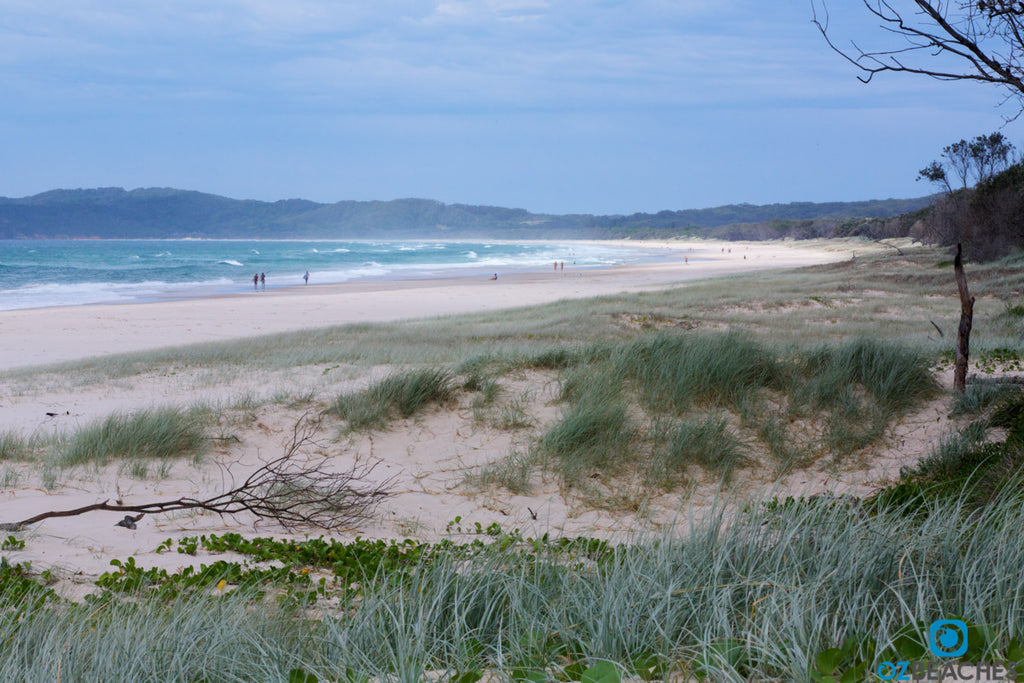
(116, 213)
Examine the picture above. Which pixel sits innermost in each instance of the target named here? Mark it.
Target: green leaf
(573, 672)
(602, 672)
(300, 676)
(529, 676)
(908, 643)
(1014, 651)
(852, 675)
(979, 642)
(353, 676)
(829, 660)
(469, 676)
(649, 666)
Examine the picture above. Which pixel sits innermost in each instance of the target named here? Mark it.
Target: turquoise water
(45, 273)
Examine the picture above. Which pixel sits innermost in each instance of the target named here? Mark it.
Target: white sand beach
(424, 460)
(51, 335)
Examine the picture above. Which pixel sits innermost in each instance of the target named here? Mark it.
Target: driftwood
(293, 490)
(886, 244)
(963, 335)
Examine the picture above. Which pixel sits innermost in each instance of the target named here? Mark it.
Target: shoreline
(42, 336)
(373, 260)
(426, 459)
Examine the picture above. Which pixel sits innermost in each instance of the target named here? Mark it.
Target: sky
(554, 106)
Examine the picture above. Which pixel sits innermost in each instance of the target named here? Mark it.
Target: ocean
(47, 273)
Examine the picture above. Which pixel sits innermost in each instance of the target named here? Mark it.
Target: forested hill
(169, 213)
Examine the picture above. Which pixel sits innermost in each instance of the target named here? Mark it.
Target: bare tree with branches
(954, 40)
(295, 489)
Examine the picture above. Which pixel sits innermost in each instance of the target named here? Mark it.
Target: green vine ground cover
(811, 590)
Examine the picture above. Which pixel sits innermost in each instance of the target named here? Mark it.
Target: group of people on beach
(259, 281)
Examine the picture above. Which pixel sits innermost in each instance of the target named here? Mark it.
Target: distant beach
(50, 273)
(37, 336)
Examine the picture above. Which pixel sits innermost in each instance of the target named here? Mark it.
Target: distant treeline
(111, 213)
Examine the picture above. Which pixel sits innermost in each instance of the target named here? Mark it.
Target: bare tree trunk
(963, 336)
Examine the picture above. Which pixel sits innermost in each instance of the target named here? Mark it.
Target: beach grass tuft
(594, 437)
(14, 446)
(399, 395)
(153, 434)
(705, 441)
(673, 372)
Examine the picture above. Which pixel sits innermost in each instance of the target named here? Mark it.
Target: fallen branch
(898, 250)
(292, 490)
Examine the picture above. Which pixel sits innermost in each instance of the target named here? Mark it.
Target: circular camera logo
(948, 638)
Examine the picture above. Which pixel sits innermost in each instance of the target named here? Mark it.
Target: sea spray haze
(43, 273)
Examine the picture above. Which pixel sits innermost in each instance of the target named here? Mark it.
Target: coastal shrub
(158, 433)
(1009, 414)
(400, 395)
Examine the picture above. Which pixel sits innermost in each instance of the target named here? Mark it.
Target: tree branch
(293, 490)
(985, 37)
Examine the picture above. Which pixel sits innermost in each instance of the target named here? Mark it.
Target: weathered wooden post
(963, 335)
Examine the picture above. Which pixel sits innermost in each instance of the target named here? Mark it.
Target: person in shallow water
(263, 281)
(256, 282)
(306, 277)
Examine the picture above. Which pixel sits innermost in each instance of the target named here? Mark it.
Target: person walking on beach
(306, 277)
(256, 282)
(263, 281)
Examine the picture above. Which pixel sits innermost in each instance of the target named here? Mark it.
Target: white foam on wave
(52, 294)
(371, 261)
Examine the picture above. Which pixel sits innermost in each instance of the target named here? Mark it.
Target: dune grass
(400, 395)
(970, 463)
(705, 441)
(593, 438)
(644, 404)
(153, 434)
(757, 595)
(673, 372)
(15, 446)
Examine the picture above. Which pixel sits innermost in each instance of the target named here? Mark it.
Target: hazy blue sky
(554, 106)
